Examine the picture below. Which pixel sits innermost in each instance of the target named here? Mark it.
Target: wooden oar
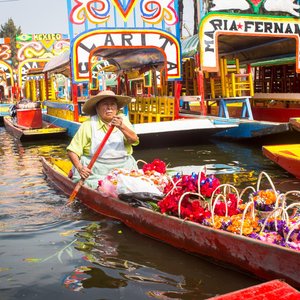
(90, 165)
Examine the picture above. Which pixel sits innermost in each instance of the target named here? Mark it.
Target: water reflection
(25, 202)
(126, 259)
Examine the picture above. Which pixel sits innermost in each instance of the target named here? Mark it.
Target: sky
(50, 16)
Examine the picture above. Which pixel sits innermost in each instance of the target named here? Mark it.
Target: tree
(9, 30)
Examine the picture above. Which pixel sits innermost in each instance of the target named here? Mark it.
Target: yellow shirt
(81, 142)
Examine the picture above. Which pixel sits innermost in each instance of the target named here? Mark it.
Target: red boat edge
(275, 289)
(263, 260)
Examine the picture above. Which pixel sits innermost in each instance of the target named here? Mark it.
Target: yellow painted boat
(47, 131)
(286, 156)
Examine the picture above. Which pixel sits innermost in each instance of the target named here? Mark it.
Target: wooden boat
(266, 261)
(47, 131)
(286, 156)
(176, 132)
(251, 129)
(268, 291)
(295, 123)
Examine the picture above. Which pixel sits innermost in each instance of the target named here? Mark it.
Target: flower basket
(278, 214)
(265, 201)
(292, 232)
(293, 235)
(227, 198)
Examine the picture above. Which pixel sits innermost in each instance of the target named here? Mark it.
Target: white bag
(129, 184)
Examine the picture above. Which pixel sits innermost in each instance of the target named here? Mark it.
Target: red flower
(220, 208)
(157, 165)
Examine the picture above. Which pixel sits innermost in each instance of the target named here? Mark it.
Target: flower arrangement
(235, 224)
(264, 200)
(232, 206)
(201, 198)
(156, 165)
(185, 193)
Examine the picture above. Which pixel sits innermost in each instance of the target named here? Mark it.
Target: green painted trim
(273, 62)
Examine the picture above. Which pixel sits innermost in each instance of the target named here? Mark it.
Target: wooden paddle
(90, 165)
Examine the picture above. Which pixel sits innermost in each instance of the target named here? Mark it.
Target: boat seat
(145, 115)
(166, 109)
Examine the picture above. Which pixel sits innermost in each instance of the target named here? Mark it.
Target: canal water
(51, 251)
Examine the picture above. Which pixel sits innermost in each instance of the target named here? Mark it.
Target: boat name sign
(215, 24)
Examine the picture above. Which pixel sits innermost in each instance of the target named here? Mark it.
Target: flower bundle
(232, 205)
(187, 193)
(279, 232)
(264, 200)
(235, 224)
(208, 184)
(156, 165)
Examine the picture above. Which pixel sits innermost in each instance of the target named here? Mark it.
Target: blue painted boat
(244, 128)
(157, 134)
(248, 129)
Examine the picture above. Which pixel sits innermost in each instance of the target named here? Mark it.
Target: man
(117, 152)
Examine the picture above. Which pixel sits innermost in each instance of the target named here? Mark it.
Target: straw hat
(89, 106)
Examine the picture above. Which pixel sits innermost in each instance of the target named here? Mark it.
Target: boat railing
(146, 109)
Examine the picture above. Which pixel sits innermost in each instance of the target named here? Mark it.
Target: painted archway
(165, 44)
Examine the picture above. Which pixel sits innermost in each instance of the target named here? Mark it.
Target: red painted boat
(23, 133)
(286, 156)
(275, 289)
(266, 261)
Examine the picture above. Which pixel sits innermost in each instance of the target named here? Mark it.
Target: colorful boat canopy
(190, 46)
(126, 49)
(59, 64)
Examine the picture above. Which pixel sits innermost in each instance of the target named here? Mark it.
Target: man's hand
(117, 121)
(84, 172)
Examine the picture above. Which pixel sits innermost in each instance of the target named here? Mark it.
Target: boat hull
(48, 131)
(268, 290)
(263, 260)
(286, 156)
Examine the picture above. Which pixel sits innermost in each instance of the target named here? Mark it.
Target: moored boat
(47, 130)
(286, 156)
(264, 260)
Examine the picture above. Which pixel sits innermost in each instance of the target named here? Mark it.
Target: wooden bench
(246, 107)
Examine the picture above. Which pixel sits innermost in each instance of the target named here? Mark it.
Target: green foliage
(10, 30)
